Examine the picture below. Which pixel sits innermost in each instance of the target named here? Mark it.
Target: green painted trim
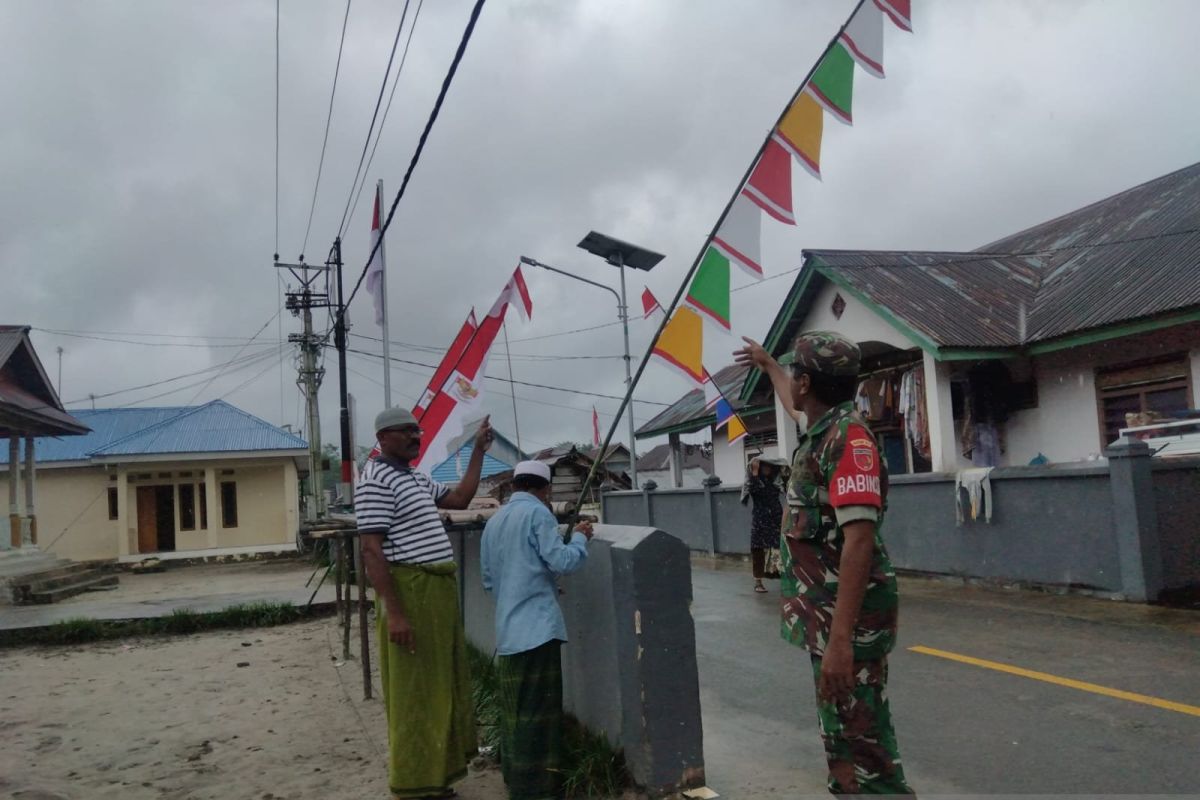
(922, 341)
(778, 325)
(1113, 332)
(699, 423)
(973, 354)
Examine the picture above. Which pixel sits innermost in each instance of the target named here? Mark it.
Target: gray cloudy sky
(137, 167)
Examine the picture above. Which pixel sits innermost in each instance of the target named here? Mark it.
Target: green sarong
(427, 694)
(531, 722)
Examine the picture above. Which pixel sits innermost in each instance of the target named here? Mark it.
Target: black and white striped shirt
(400, 502)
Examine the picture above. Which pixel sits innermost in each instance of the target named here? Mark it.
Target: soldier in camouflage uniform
(839, 598)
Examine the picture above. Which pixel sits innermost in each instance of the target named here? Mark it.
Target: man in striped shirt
(422, 650)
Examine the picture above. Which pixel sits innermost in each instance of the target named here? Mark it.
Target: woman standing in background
(764, 488)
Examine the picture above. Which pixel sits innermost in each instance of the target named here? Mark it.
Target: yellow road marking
(1157, 702)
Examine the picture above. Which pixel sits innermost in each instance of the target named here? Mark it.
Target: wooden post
(364, 640)
(345, 558)
(14, 482)
(29, 489)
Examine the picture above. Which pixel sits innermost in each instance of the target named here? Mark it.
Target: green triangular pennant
(832, 85)
(709, 292)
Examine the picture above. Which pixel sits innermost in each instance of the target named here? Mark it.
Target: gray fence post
(711, 516)
(647, 488)
(1135, 519)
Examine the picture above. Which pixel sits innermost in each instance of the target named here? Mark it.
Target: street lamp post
(620, 255)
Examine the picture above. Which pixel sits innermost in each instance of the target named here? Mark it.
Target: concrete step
(90, 583)
(58, 579)
(64, 569)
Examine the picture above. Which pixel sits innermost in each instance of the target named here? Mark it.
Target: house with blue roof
(502, 456)
(179, 481)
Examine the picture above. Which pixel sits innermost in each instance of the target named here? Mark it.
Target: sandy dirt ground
(259, 714)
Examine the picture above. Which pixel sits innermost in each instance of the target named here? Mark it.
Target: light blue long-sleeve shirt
(520, 555)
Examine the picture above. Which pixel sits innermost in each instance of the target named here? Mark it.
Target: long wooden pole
(703, 249)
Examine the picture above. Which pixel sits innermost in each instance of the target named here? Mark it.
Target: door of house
(147, 519)
(156, 519)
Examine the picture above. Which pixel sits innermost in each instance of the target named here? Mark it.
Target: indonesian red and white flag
(453, 354)
(595, 427)
(374, 280)
(461, 395)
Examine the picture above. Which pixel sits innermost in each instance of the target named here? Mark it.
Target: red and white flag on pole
(460, 397)
(595, 427)
(374, 280)
(650, 303)
(453, 354)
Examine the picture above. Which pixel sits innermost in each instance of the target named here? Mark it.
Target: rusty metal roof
(688, 413)
(1130, 257)
(1133, 255)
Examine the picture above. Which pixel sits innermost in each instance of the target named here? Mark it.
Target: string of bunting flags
(767, 192)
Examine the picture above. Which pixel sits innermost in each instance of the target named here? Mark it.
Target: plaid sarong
(427, 694)
(531, 718)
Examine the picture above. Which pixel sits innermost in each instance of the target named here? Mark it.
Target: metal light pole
(620, 255)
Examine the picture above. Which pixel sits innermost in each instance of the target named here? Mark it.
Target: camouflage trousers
(860, 744)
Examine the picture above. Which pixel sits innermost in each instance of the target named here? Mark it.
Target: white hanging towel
(978, 485)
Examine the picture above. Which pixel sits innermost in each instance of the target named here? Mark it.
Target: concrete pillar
(630, 669)
(649, 504)
(676, 459)
(787, 438)
(14, 491)
(210, 505)
(30, 487)
(123, 516)
(943, 445)
(1135, 519)
(291, 503)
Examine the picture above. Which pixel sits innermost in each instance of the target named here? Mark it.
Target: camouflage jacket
(837, 464)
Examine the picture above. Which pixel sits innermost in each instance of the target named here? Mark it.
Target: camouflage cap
(824, 352)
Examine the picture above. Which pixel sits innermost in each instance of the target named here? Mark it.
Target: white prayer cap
(535, 468)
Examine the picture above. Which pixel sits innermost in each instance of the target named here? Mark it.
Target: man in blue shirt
(521, 554)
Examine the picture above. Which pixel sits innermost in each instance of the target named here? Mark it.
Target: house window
(187, 507)
(113, 508)
(229, 517)
(203, 508)
(1161, 387)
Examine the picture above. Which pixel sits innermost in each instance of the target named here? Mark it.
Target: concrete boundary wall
(629, 669)
(1128, 527)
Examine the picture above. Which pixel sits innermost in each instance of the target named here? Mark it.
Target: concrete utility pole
(311, 373)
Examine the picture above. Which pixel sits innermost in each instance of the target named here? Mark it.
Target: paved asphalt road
(963, 729)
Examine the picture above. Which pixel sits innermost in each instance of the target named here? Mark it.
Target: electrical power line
(567, 333)
(434, 350)
(278, 311)
(515, 382)
(374, 116)
(416, 157)
(328, 119)
(254, 357)
(276, 130)
(383, 121)
(145, 334)
(144, 344)
(249, 361)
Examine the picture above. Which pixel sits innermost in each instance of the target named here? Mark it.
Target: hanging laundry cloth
(977, 484)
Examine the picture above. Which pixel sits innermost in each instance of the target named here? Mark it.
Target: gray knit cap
(393, 418)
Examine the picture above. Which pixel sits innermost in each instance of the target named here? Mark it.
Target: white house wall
(857, 323)
(1065, 426)
(729, 461)
(73, 519)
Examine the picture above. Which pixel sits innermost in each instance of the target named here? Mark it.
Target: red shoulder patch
(856, 478)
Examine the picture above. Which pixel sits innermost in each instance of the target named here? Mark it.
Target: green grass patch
(180, 622)
(591, 766)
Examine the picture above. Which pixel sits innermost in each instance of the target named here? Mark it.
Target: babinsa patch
(864, 457)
